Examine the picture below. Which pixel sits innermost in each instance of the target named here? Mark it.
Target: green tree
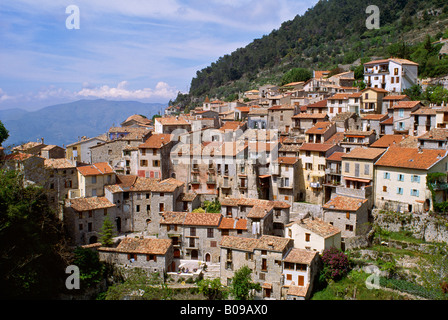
(242, 286)
(91, 269)
(414, 93)
(212, 206)
(212, 289)
(438, 95)
(296, 75)
(4, 134)
(107, 232)
(33, 249)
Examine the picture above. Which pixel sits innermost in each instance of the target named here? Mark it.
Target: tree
(107, 232)
(4, 134)
(335, 264)
(414, 92)
(296, 75)
(91, 269)
(212, 289)
(33, 248)
(241, 287)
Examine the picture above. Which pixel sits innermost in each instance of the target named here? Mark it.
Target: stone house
(285, 179)
(234, 227)
(300, 268)
(348, 214)
(84, 217)
(400, 178)
(29, 165)
(80, 151)
(257, 118)
(442, 117)
(151, 255)
(320, 132)
(201, 237)
(338, 103)
(313, 234)
(333, 174)
(171, 227)
(168, 125)
(358, 177)
(313, 158)
(62, 177)
(357, 138)
(390, 101)
(93, 178)
(52, 152)
(240, 208)
(372, 100)
(154, 156)
(372, 122)
(305, 121)
(424, 119)
(436, 138)
(280, 117)
(264, 256)
(402, 119)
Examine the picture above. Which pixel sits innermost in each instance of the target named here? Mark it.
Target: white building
(394, 75)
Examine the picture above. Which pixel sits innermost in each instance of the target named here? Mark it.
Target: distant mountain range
(62, 124)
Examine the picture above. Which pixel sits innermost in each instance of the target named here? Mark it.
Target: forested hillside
(331, 33)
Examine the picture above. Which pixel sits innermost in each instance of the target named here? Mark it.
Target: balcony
(438, 186)
(211, 180)
(315, 185)
(401, 131)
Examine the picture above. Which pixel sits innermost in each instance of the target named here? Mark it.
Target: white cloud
(161, 91)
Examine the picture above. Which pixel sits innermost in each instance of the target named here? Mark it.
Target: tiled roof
(259, 212)
(340, 96)
(319, 128)
(349, 133)
(238, 243)
(142, 246)
(189, 196)
(411, 158)
(319, 104)
(375, 117)
(388, 140)
(233, 224)
(172, 121)
(171, 217)
(406, 104)
(302, 256)
(167, 185)
(202, 219)
(317, 226)
(424, 111)
(310, 116)
(281, 107)
(395, 97)
(336, 156)
(297, 291)
(59, 164)
(272, 243)
(364, 153)
(156, 141)
(253, 202)
(321, 147)
(287, 160)
(435, 134)
(343, 203)
(91, 203)
(96, 169)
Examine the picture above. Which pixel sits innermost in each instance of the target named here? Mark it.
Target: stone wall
(422, 226)
(301, 209)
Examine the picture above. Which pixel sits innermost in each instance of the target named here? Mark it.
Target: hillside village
(296, 169)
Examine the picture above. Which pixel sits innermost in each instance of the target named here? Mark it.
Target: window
(161, 207)
(156, 163)
(143, 163)
(307, 237)
(192, 231)
(348, 227)
(264, 265)
(387, 175)
(137, 208)
(415, 178)
(396, 71)
(399, 190)
(366, 169)
(414, 192)
(384, 188)
(93, 179)
(347, 167)
(401, 113)
(288, 276)
(347, 215)
(400, 177)
(209, 232)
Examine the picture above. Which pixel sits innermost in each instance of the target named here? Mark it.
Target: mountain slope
(332, 32)
(64, 123)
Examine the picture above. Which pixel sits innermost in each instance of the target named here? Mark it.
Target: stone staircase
(213, 271)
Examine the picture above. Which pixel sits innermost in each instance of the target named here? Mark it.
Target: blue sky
(141, 50)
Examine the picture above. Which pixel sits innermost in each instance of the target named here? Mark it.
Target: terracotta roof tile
(272, 243)
(96, 169)
(388, 140)
(170, 217)
(411, 158)
(233, 224)
(321, 147)
(302, 256)
(319, 128)
(142, 246)
(91, 203)
(343, 203)
(203, 219)
(239, 243)
(406, 104)
(156, 141)
(317, 226)
(364, 153)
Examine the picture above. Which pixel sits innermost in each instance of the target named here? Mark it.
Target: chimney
(42, 140)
